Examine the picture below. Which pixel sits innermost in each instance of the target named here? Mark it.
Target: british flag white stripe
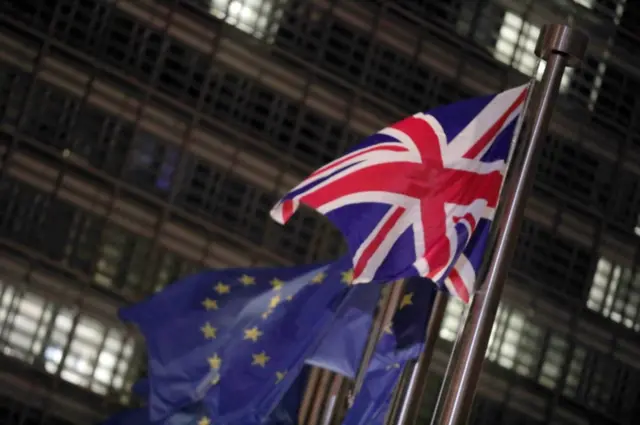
(400, 227)
(382, 249)
(466, 272)
(481, 124)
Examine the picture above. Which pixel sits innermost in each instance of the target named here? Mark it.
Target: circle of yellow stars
(253, 334)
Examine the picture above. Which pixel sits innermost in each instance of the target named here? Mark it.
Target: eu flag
(236, 339)
(341, 350)
(402, 341)
(285, 413)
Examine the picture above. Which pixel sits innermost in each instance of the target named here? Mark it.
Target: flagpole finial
(563, 40)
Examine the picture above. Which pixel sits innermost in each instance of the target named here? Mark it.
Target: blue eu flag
(401, 341)
(342, 348)
(236, 339)
(285, 413)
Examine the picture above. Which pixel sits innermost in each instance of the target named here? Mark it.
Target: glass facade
(141, 140)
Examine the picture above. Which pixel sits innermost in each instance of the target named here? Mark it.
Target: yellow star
(406, 300)
(347, 277)
(204, 421)
(221, 288)
(247, 280)
(267, 313)
(277, 284)
(280, 376)
(209, 331)
(253, 334)
(210, 304)
(290, 297)
(319, 278)
(260, 359)
(215, 361)
(275, 300)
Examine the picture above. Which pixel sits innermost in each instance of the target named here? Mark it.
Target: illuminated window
(602, 66)
(585, 3)
(24, 320)
(80, 349)
(575, 373)
(122, 259)
(452, 319)
(97, 357)
(513, 339)
(256, 17)
(516, 47)
(505, 341)
(554, 358)
(615, 293)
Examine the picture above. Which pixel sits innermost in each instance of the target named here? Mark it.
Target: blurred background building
(144, 139)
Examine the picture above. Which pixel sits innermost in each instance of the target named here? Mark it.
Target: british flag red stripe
(410, 197)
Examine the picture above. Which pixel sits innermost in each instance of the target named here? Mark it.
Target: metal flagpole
(408, 405)
(332, 400)
(318, 400)
(309, 393)
(389, 302)
(398, 393)
(560, 46)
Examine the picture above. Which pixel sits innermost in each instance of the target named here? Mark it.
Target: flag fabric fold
(402, 341)
(341, 349)
(410, 198)
(235, 340)
(285, 413)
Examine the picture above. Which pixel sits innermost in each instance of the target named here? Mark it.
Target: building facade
(145, 139)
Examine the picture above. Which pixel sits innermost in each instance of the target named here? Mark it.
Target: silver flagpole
(560, 46)
(326, 402)
(408, 407)
(332, 400)
(398, 393)
(389, 302)
(320, 398)
(309, 395)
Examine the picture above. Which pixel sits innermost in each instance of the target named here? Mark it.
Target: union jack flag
(418, 197)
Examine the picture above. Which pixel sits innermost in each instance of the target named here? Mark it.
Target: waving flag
(410, 197)
(235, 340)
(401, 342)
(341, 349)
(285, 413)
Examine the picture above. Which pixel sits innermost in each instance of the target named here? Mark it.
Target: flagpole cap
(562, 40)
